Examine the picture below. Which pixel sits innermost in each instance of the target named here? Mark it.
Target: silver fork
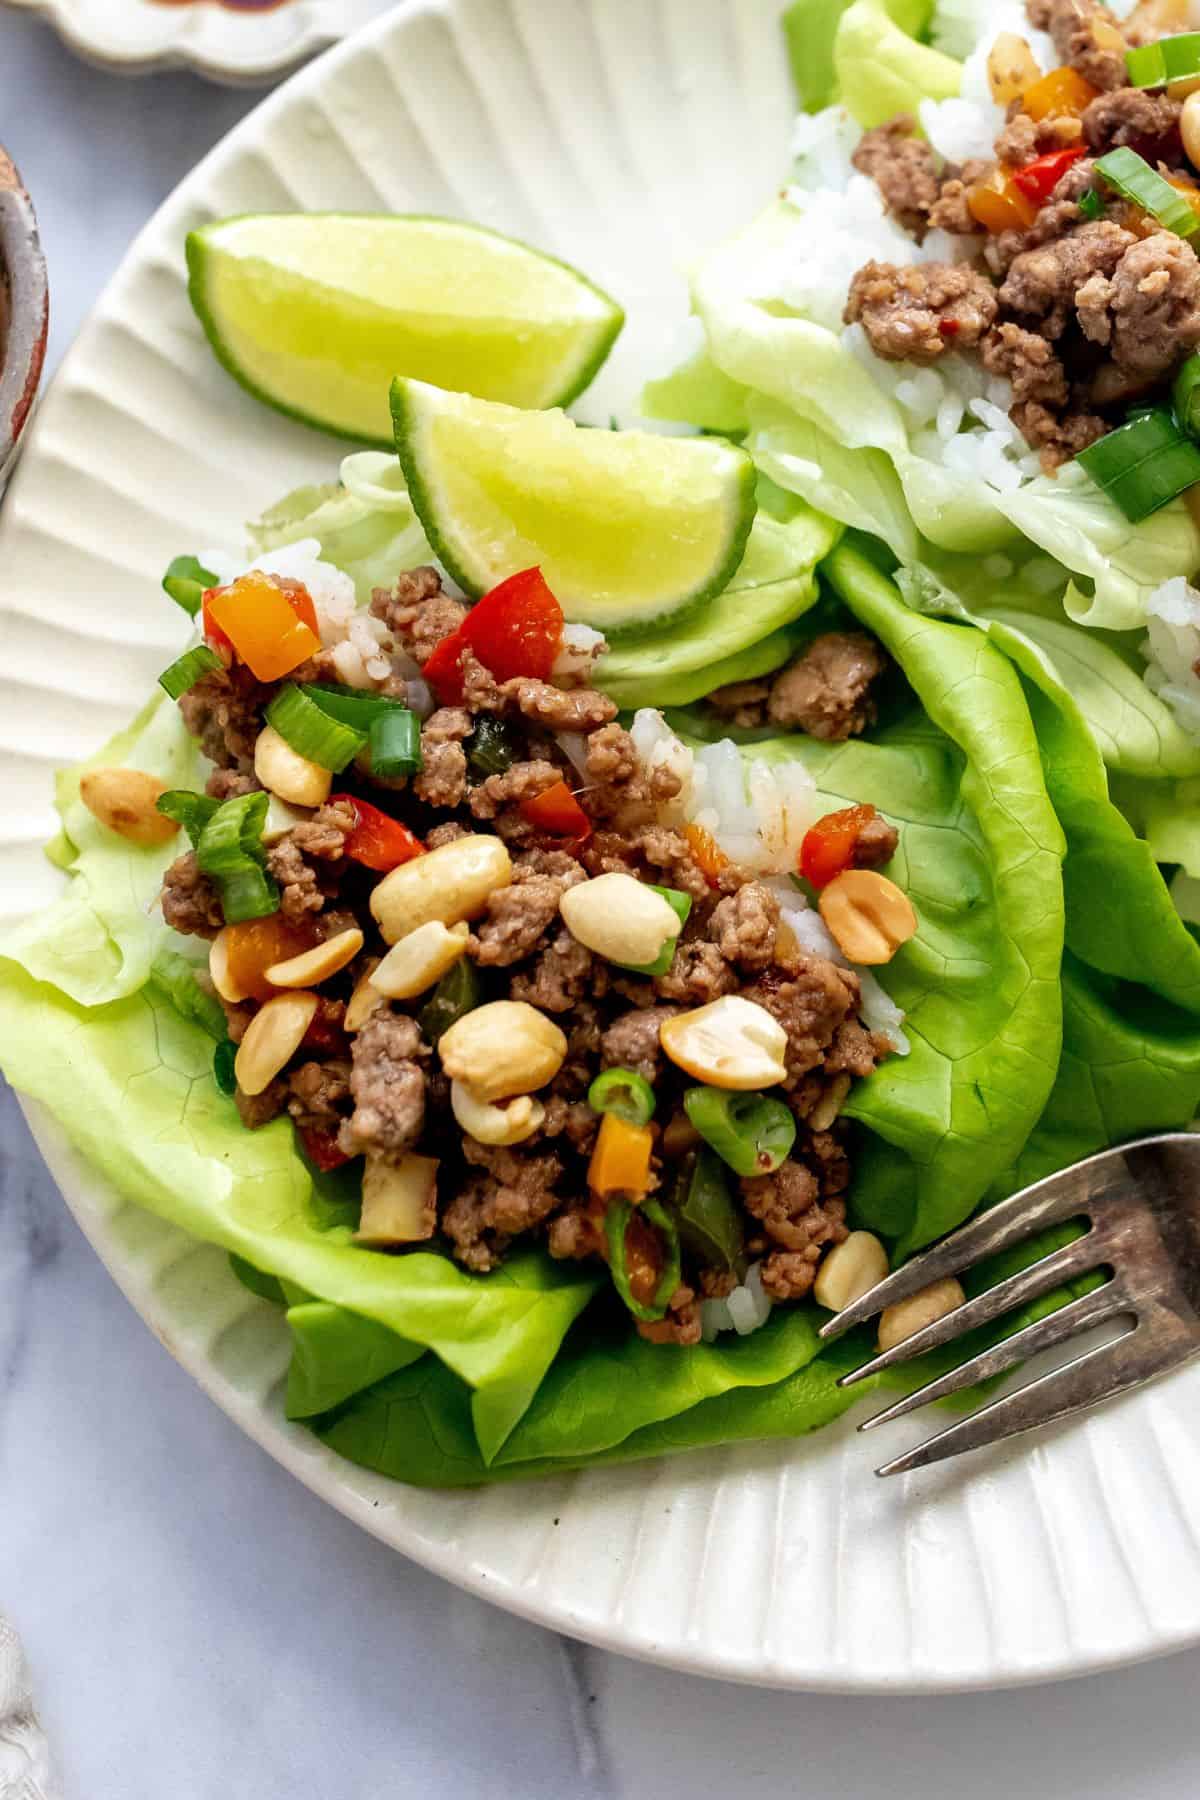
(1141, 1203)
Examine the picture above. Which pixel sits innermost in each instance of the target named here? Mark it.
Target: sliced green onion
(1134, 179)
(1180, 56)
(1143, 464)
(709, 1221)
(231, 851)
(616, 1226)
(1145, 66)
(351, 705)
(395, 743)
(750, 1132)
(682, 906)
(185, 581)
(458, 992)
(311, 731)
(249, 893)
(233, 836)
(1091, 205)
(188, 669)
(624, 1092)
(493, 746)
(192, 811)
(224, 1057)
(1186, 395)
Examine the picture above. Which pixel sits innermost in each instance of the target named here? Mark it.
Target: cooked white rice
(1172, 649)
(743, 1310)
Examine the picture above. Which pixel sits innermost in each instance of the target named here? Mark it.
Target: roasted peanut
(829, 1105)
(218, 968)
(730, 1043)
(316, 965)
(909, 1316)
(399, 1200)
(124, 801)
(506, 1047)
(365, 1000)
(511, 1123)
(868, 915)
(272, 1038)
(1189, 128)
(620, 918)
(285, 772)
(450, 883)
(850, 1270)
(420, 958)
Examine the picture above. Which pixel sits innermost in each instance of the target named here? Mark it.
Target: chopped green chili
(458, 992)
(751, 1132)
(624, 1092)
(492, 747)
(617, 1219)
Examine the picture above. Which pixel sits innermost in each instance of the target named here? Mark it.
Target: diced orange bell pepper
(998, 204)
(252, 946)
(1061, 91)
(708, 856)
(260, 618)
(621, 1160)
(1188, 189)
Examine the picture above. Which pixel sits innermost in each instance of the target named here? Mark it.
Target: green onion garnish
(459, 991)
(188, 669)
(709, 1222)
(351, 705)
(1145, 66)
(231, 851)
(223, 1060)
(682, 905)
(492, 747)
(624, 1092)
(1134, 179)
(311, 731)
(1091, 205)
(616, 1225)
(185, 581)
(1186, 395)
(395, 743)
(192, 811)
(1143, 464)
(750, 1132)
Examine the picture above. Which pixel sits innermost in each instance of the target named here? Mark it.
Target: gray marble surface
(200, 1626)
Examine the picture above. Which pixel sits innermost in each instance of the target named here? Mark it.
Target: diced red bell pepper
(828, 849)
(557, 811)
(377, 841)
(325, 1034)
(268, 620)
(1038, 179)
(321, 1148)
(516, 629)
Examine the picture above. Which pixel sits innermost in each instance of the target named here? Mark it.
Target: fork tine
(1078, 1316)
(1039, 1278)
(1049, 1202)
(1096, 1375)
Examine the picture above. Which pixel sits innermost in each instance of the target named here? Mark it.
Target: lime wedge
(629, 529)
(315, 312)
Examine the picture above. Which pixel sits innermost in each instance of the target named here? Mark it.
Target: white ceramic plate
(242, 46)
(624, 135)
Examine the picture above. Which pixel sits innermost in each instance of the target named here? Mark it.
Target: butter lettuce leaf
(365, 524)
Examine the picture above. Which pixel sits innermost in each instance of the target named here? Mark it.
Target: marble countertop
(198, 1624)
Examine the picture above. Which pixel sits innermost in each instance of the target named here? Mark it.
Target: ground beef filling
(369, 1084)
(1084, 315)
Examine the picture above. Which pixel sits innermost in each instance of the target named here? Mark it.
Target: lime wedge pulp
(316, 312)
(629, 529)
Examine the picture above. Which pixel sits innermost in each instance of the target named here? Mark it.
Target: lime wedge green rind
(630, 529)
(314, 313)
